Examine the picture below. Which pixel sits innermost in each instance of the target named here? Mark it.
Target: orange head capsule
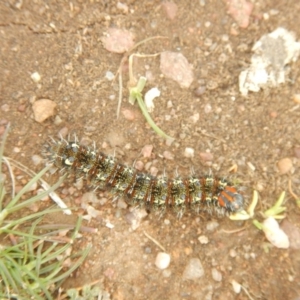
(230, 199)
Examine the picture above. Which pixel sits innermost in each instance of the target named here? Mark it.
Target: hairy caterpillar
(206, 193)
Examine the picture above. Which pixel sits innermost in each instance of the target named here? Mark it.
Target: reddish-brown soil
(62, 42)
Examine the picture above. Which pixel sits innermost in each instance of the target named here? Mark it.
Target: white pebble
(216, 275)
(189, 152)
(162, 260)
(109, 225)
(194, 270)
(275, 235)
(36, 77)
(236, 286)
(36, 159)
(203, 239)
(212, 225)
(109, 75)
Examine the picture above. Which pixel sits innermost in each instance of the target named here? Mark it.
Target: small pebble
(22, 108)
(194, 118)
(206, 156)
(175, 66)
(297, 151)
(189, 152)
(118, 40)
(134, 217)
(154, 171)
(293, 232)
(109, 75)
(43, 109)
(148, 250)
(297, 98)
(236, 287)
(232, 253)
(128, 114)
(36, 159)
(167, 273)
(5, 107)
(199, 91)
(207, 108)
(194, 270)
(17, 149)
(170, 8)
(212, 225)
(63, 132)
(162, 260)
(168, 155)
(216, 275)
(36, 77)
(88, 197)
(147, 151)
(57, 120)
(251, 166)
(123, 7)
(139, 165)
(122, 204)
(285, 165)
(203, 239)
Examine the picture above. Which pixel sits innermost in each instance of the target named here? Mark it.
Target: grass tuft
(34, 260)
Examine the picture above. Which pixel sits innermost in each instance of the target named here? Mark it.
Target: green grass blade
(37, 197)
(7, 278)
(26, 187)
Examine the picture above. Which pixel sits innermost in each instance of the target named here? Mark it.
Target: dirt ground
(61, 40)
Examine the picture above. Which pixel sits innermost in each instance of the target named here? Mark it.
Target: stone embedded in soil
(147, 151)
(63, 132)
(293, 232)
(162, 260)
(216, 275)
(296, 98)
(134, 217)
(88, 197)
(128, 114)
(206, 156)
(274, 234)
(285, 165)
(297, 151)
(175, 66)
(203, 239)
(168, 155)
(139, 165)
(118, 40)
(194, 270)
(268, 63)
(212, 225)
(36, 77)
(36, 159)
(170, 8)
(189, 152)
(240, 10)
(43, 109)
(236, 286)
(5, 107)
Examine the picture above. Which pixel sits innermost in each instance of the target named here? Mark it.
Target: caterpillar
(205, 193)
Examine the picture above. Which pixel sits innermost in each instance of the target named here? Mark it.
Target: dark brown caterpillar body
(206, 193)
